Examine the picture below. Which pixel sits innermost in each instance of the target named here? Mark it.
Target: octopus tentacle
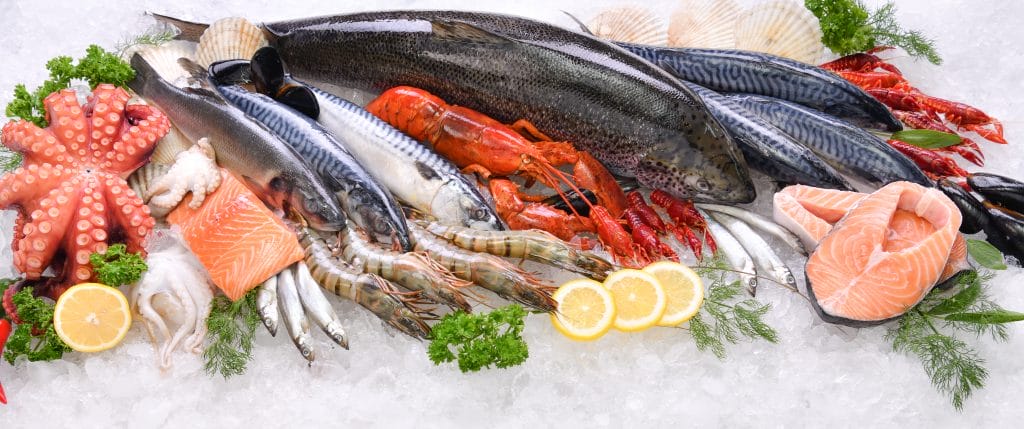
(40, 236)
(30, 182)
(67, 124)
(88, 231)
(130, 212)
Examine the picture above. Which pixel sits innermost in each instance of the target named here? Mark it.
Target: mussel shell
(998, 189)
(1006, 231)
(975, 216)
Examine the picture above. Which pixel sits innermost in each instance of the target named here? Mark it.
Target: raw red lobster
(481, 145)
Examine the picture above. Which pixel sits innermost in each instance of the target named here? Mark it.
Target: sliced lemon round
(683, 288)
(91, 317)
(639, 299)
(585, 309)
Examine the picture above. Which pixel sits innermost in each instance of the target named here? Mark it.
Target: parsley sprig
(848, 27)
(37, 314)
(480, 340)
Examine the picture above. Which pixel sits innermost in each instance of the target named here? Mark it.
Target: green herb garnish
(232, 328)
(928, 331)
(117, 266)
(928, 139)
(724, 318)
(36, 314)
(157, 35)
(986, 254)
(480, 340)
(848, 27)
(96, 67)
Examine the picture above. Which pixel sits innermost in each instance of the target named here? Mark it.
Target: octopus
(194, 170)
(70, 192)
(175, 293)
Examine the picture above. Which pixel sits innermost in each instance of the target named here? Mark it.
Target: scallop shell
(704, 24)
(629, 24)
(783, 28)
(145, 177)
(167, 150)
(229, 39)
(164, 59)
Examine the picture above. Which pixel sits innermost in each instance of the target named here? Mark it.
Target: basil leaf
(986, 317)
(958, 302)
(928, 139)
(986, 254)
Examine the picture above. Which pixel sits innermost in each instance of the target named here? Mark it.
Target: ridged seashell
(783, 28)
(164, 59)
(629, 24)
(168, 148)
(229, 39)
(144, 178)
(704, 24)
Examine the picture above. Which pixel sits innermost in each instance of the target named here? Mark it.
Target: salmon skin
(767, 148)
(884, 255)
(635, 118)
(239, 241)
(765, 74)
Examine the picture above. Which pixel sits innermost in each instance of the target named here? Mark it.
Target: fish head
(460, 203)
(729, 184)
(384, 222)
(316, 205)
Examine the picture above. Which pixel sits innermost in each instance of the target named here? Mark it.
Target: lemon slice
(639, 299)
(683, 287)
(91, 317)
(585, 309)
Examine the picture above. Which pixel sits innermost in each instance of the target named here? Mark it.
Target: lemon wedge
(640, 300)
(91, 317)
(683, 288)
(585, 309)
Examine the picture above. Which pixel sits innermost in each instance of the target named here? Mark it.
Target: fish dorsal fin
(466, 32)
(583, 27)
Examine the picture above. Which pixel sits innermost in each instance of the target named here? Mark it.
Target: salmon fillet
(810, 212)
(864, 272)
(239, 241)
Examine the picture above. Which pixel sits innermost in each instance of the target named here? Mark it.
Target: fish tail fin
(187, 30)
(583, 27)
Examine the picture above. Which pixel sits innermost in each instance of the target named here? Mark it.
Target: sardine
(317, 306)
(632, 116)
(761, 223)
(367, 203)
(248, 149)
(765, 74)
(734, 252)
(768, 149)
(413, 172)
(266, 305)
(848, 148)
(759, 250)
(294, 316)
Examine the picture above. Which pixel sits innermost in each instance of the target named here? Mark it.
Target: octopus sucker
(64, 191)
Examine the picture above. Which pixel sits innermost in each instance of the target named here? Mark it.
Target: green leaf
(987, 317)
(928, 139)
(959, 302)
(985, 254)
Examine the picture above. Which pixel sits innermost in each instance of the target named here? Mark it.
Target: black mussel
(974, 213)
(998, 189)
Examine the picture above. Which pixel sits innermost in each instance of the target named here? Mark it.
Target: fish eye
(703, 185)
(478, 214)
(381, 225)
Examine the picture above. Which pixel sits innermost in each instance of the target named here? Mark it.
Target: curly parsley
(480, 340)
(117, 266)
(848, 27)
(38, 315)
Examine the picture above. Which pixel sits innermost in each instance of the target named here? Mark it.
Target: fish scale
(632, 116)
(764, 74)
(846, 147)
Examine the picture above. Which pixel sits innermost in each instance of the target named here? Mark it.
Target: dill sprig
(232, 328)
(9, 159)
(928, 331)
(156, 35)
(887, 32)
(848, 27)
(725, 318)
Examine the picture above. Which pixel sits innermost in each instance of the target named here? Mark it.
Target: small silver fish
(317, 306)
(734, 252)
(764, 257)
(294, 316)
(266, 304)
(761, 223)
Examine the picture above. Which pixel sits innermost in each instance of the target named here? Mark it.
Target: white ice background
(817, 375)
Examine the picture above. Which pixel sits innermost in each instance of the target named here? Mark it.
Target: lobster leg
(530, 131)
(520, 215)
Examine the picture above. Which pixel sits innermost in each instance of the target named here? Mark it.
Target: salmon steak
(882, 257)
(810, 212)
(237, 238)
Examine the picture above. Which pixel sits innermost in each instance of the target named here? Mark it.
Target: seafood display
(236, 237)
(70, 194)
(446, 171)
(870, 287)
(644, 123)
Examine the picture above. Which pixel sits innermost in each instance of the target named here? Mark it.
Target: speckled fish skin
(845, 146)
(365, 201)
(764, 74)
(632, 116)
(768, 149)
(248, 149)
